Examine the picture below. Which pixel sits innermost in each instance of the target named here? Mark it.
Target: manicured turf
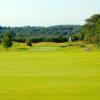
(58, 75)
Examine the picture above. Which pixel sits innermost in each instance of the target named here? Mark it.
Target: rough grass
(52, 75)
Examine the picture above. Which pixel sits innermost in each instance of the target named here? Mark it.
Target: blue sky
(46, 12)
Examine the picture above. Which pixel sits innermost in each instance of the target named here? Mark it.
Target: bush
(29, 42)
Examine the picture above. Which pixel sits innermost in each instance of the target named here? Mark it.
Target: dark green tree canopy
(7, 39)
(92, 29)
(40, 34)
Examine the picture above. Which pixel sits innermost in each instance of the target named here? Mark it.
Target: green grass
(49, 72)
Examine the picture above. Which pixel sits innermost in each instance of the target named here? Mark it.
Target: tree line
(59, 33)
(89, 32)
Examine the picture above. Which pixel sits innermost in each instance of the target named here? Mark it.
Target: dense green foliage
(92, 29)
(90, 32)
(28, 42)
(59, 33)
(7, 39)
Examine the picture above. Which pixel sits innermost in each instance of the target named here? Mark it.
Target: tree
(28, 42)
(92, 29)
(28, 39)
(7, 39)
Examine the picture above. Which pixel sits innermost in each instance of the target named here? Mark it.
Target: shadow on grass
(22, 49)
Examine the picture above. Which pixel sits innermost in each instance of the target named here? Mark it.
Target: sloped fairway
(49, 75)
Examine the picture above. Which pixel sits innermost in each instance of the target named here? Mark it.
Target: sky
(46, 12)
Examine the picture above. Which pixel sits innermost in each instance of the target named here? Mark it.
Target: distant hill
(51, 31)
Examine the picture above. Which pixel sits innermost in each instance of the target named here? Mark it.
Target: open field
(49, 73)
